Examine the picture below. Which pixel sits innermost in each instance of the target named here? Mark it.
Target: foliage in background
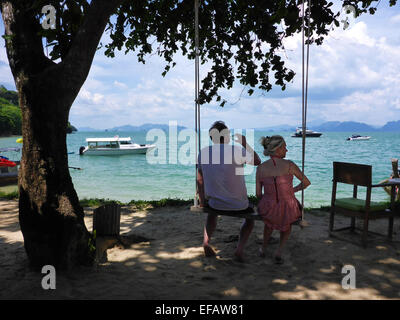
(9, 195)
(166, 202)
(10, 113)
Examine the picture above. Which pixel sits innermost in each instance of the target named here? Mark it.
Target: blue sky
(353, 76)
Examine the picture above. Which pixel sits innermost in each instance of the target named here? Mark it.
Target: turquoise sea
(168, 174)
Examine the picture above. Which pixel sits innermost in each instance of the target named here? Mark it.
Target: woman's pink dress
(278, 206)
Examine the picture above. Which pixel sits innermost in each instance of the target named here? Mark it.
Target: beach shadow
(162, 258)
(312, 269)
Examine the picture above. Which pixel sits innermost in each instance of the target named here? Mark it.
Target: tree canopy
(240, 39)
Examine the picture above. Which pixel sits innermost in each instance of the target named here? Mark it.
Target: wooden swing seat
(252, 215)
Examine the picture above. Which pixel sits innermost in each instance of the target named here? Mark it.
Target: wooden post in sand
(395, 167)
(106, 220)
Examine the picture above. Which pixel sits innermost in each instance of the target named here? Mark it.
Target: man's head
(219, 132)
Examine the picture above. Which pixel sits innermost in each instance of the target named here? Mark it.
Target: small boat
(358, 137)
(9, 175)
(309, 133)
(8, 169)
(113, 146)
(4, 162)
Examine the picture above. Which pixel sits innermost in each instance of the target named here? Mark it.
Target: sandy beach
(163, 259)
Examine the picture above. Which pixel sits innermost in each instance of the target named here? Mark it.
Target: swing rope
(196, 84)
(305, 65)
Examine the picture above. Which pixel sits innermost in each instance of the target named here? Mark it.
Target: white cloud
(6, 77)
(3, 55)
(358, 34)
(90, 98)
(395, 19)
(120, 85)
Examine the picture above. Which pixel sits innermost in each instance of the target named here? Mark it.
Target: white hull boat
(356, 137)
(113, 146)
(309, 133)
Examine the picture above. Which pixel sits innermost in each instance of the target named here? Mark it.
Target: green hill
(71, 128)
(10, 114)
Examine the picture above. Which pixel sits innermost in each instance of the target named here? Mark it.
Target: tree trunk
(50, 215)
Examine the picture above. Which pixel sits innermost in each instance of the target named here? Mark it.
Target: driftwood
(106, 220)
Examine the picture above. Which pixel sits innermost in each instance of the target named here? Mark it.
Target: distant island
(337, 126)
(330, 126)
(10, 114)
(71, 128)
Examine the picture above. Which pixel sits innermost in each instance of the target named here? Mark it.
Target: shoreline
(163, 259)
(10, 136)
(96, 202)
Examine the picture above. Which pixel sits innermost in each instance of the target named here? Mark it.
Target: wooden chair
(359, 175)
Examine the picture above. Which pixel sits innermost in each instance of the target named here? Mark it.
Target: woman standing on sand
(278, 205)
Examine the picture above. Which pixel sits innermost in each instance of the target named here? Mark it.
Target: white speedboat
(358, 137)
(113, 146)
(309, 133)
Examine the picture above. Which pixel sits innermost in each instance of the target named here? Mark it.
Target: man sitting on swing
(221, 182)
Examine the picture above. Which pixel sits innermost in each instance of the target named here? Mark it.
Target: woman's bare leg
(267, 235)
(284, 237)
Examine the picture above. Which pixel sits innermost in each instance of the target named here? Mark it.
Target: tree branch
(23, 42)
(80, 56)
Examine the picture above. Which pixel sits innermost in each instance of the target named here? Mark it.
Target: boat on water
(113, 146)
(8, 168)
(9, 175)
(358, 137)
(309, 133)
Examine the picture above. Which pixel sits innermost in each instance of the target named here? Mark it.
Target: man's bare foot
(208, 251)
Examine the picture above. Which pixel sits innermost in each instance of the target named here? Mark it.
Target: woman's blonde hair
(270, 144)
